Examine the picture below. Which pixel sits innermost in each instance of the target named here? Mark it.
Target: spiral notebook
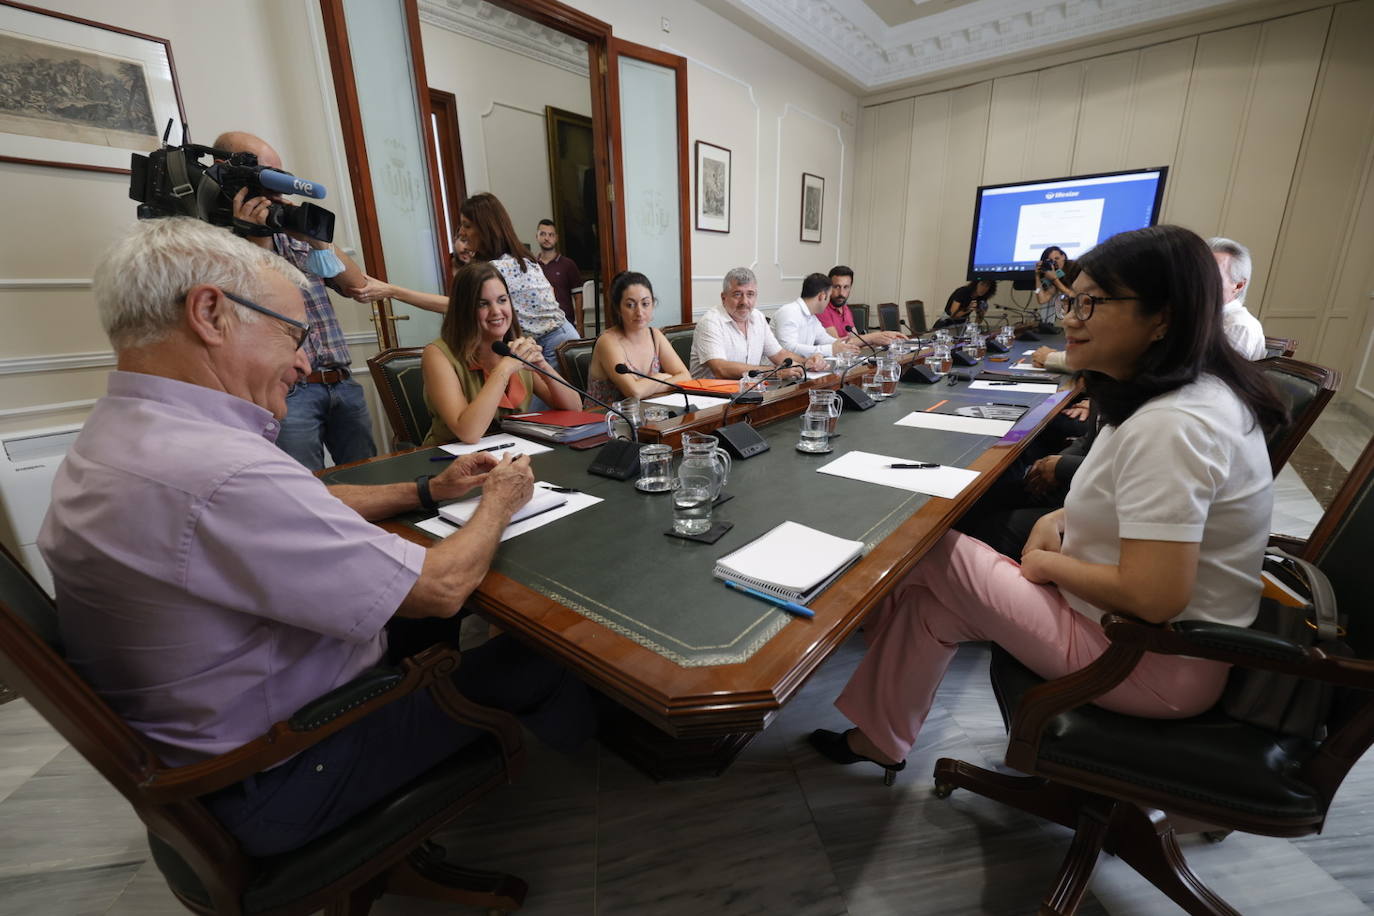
(792, 561)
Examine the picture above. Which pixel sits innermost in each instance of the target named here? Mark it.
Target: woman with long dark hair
(485, 227)
(631, 338)
(468, 386)
(1167, 517)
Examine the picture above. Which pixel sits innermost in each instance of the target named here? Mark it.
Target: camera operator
(327, 408)
(1052, 275)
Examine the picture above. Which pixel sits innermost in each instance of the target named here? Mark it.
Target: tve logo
(302, 186)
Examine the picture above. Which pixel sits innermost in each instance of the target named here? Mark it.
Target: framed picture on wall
(812, 206)
(713, 187)
(81, 94)
(572, 179)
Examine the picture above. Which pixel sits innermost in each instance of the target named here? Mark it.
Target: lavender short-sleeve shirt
(207, 584)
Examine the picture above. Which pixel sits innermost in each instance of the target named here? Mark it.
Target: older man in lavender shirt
(208, 585)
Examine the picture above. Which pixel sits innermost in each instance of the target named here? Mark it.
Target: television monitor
(1014, 223)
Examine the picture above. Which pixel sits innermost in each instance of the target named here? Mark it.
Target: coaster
(722, 498)
(807, 451)
(716, 532)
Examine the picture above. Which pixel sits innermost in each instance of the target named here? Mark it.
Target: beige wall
(263, 68)
(1266, 128)
(501, 98)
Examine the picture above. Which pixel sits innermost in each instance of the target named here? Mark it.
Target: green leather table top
(613, 564)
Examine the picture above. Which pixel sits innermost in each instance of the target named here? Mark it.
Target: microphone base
(618, 460)
(960, 358)
(741, 440)
(995, 346)
(749, 397)
(854, 398)
(920, 375)
(1027, 335)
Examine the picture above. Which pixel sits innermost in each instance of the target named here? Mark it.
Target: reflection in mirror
(524, 109)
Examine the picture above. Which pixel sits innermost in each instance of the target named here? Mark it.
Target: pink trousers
(964, 591)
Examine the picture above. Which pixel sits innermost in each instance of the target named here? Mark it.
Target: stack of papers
(499, 444)
(460, 513)
(573, 502)
(792, 561)
(556, 425)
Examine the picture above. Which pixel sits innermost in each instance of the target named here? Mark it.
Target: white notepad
(954, 423)
(945, 482)
(792, 561)
(1022, 387)
(542, 501)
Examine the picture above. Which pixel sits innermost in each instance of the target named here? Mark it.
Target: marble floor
(782, 832)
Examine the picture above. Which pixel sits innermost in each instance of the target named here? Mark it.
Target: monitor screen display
(1014, 223)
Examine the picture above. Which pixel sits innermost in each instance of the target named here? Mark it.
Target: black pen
(915, 465)
(1005, 383)
(489, 448)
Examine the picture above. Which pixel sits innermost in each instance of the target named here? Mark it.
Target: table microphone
(618, 459)
(623, 369)
(751, 395)
(740, 439)
(852, 395)
(849, 329)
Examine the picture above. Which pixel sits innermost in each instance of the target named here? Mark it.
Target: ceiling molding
(509, 31)
(854, 40)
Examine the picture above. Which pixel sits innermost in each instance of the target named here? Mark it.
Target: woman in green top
(468, 387)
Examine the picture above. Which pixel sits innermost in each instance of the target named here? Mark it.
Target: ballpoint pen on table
(916, 465)
(790, 607)
(490, 448)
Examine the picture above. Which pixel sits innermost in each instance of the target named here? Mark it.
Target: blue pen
(790, 607)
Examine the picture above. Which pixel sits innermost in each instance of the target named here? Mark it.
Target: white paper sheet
(576, 502)
(943, 481)
(1023, 387)
(953, 423)
(675, 400)
(520, 447)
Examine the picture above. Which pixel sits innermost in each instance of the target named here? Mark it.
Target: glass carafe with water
(702, 455)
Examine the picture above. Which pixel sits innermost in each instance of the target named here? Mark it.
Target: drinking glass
(943, 351)
(873, 387)
(654, 413)
(815, 432)
(888, 373)
(615, 425)
(976, 348)
(935, 364)
(691, 504)
(655, 468)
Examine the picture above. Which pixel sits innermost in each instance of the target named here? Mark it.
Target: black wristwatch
(426, 498)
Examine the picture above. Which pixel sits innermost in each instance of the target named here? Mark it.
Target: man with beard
(837, 316)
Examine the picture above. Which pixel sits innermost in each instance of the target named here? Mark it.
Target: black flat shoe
(835, 746)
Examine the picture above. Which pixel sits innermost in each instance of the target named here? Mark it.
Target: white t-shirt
(1242, 329)
(718, 337)
(1188, 466)
(800, 331)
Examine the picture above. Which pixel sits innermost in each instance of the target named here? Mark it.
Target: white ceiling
(873, 45)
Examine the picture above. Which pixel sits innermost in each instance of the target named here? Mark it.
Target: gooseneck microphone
(623, 369)
(618, 458)
(849, 329)
(740, 439)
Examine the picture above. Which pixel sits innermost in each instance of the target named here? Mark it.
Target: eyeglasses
(302, 329)
(1082, 305)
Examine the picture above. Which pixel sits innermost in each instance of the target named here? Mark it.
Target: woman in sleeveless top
(468, 387)
(630, 338)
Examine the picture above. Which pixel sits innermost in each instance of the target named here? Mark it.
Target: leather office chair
(575, 360)
(1131, 785)
(401, 387)
(889, 319)
(916, 315)
(383, 849)
(680, 339)
(860, 317)
(1306, 389)
(1280, 346)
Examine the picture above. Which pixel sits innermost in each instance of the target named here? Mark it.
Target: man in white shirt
(1242, 329)
(799, 330)
(734, 339)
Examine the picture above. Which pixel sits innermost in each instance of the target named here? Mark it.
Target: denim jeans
(550, 341)
(333, 416)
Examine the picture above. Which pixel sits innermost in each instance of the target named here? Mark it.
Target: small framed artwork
(812, 206)
(713, 187)
(80, 94)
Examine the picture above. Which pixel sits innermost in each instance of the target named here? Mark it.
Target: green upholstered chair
(401, 388)
(680, 339)
(575, 360)
(1130, 785)
(916, 315)
(384, 849)
(889, 317)
(1280, 346)
(860, 311)
(1306, 389)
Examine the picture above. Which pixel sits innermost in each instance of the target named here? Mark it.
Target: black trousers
(323, 787)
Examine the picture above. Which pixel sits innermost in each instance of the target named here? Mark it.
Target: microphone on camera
(286, 183)
(618, 458)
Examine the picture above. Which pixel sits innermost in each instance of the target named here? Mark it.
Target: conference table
(694, 669)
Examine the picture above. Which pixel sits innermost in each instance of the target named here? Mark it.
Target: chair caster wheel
(942, 790)
(1215, 836)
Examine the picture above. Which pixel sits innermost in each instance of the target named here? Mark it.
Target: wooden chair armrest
(310, 725)
(1294, 545)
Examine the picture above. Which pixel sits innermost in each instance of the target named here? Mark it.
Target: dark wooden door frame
(620, 48)
(444, 107)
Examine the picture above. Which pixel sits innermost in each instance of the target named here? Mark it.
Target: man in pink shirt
(838, 318)
(208, 585)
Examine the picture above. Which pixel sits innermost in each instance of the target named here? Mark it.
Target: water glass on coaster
(873, 387)
(654, 413)
(655, 468)
(935, 363)
(691, 504)
(615, 424)
(944, 352)
(815, 432)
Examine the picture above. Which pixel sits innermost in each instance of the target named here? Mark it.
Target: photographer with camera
(327, 408)
(1053, 275)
